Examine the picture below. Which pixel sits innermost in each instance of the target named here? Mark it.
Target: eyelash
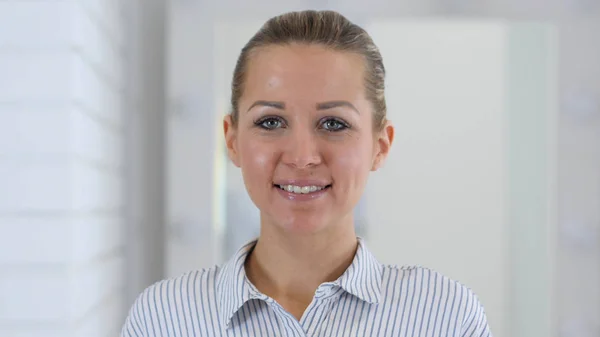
(261, 123)
(343, 125)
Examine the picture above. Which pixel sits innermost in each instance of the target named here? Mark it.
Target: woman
(307, 125)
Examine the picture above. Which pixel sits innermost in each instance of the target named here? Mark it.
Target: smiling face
(304, 136)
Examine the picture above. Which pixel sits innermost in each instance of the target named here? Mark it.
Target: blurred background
(113, 173)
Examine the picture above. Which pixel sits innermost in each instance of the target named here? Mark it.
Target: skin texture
(304, 117)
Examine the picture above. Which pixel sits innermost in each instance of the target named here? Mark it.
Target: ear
(230, 131)
(383, 144)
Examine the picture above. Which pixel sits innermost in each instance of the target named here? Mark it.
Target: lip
(303, 182)
(302, 197)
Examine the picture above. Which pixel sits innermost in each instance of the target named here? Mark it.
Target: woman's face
(304, 139)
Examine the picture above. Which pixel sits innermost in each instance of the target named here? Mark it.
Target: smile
(302, 189)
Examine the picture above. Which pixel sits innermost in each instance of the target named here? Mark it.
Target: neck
(290, 266)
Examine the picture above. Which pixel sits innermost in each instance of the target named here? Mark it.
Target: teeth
(300, 189)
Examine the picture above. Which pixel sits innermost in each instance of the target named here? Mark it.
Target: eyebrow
(270, 104)
(320, 106)
(335, 104)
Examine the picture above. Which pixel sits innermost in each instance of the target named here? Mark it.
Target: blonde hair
(326, 28)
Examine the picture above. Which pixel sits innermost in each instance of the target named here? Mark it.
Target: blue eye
(270, 123)
(333, 125)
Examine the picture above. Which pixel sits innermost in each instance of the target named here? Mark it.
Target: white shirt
(369, 299)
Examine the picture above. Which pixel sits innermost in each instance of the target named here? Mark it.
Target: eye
(270, 123)
(333, 124)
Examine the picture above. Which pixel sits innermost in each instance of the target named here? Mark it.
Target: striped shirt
(369, 299)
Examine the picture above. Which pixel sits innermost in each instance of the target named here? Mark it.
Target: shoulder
(436, 292)
(157, 305)
(189, 284)
(426, 280)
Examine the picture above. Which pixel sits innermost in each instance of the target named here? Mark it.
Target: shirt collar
(362, 279)
(233, 287)
(364, 275)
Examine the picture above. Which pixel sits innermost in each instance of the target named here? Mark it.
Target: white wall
(532, 137)
(61, 168)
(192, 126)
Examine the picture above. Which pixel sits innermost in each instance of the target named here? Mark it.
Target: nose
(301, 150)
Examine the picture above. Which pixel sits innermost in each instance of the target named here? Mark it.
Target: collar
(364, 275)
(362, 279)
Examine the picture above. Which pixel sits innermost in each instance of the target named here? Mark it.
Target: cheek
(352, 164)
(256, 161)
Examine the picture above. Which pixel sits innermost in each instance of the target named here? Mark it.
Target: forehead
(310, 72)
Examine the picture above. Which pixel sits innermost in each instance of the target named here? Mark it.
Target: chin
(303, 223)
